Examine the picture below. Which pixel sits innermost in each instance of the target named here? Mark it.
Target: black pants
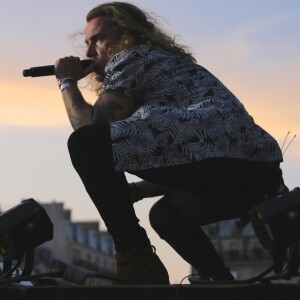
(222, 188)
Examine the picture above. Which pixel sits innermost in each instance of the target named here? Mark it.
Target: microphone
(49, 70)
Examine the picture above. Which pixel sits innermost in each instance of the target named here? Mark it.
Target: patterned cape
(185, 114)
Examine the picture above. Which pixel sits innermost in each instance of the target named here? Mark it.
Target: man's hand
(71, 67)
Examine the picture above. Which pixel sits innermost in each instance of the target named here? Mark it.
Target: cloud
(35, 102)
(256, 27)
(246, 41)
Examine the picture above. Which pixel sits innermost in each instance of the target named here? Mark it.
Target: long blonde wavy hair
(136, 27)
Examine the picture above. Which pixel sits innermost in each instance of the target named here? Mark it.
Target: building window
(76, 253)
(88, 257)
(233, 251)
(98, 262)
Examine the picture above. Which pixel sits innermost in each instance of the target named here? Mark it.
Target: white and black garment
(186, 114)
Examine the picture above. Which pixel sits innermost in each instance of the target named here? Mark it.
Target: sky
(251, 46)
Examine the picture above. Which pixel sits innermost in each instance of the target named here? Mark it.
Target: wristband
(65, 82)
(64, 85)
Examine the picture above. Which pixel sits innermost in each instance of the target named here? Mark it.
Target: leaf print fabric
(185, 114)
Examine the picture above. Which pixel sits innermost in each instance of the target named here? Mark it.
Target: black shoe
(200, 279)
(141, 266)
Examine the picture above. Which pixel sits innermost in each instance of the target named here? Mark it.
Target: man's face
(99, 38)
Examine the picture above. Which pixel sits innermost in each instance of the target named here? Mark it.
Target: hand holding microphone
(50, 69)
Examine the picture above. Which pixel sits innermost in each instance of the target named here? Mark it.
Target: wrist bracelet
(65, 82)
(64, 85)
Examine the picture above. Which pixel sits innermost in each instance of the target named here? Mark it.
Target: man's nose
(91, 51)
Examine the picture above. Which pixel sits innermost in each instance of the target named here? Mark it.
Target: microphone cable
(68, 273)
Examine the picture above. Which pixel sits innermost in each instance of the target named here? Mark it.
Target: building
(79, 243)
(239, 247)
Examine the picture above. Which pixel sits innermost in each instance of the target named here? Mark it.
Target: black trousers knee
(91, 155)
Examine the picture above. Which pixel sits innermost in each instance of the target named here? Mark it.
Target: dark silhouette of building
(79, 243)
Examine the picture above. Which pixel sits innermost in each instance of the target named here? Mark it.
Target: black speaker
(24, 227)
(276, 223)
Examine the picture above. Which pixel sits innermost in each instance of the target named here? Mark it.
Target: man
(169, 121)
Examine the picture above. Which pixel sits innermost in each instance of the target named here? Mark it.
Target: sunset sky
(253, 47)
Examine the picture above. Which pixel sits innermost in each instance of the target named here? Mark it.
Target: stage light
(23, 228)
(276, 223)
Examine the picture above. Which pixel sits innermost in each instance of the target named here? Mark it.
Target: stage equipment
(23, 228)
(276, 223)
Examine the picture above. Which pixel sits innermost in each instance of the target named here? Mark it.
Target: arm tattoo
(76, 121)
(105, 111)
(79, 103)
(78, 111)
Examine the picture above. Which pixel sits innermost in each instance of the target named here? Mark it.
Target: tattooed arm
(108, 108)
(78, 110)
(111, 107)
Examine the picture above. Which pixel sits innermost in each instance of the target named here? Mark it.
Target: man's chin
(99, 77)
(99, 73)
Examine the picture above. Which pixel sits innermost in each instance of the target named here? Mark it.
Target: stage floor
(266, 291)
